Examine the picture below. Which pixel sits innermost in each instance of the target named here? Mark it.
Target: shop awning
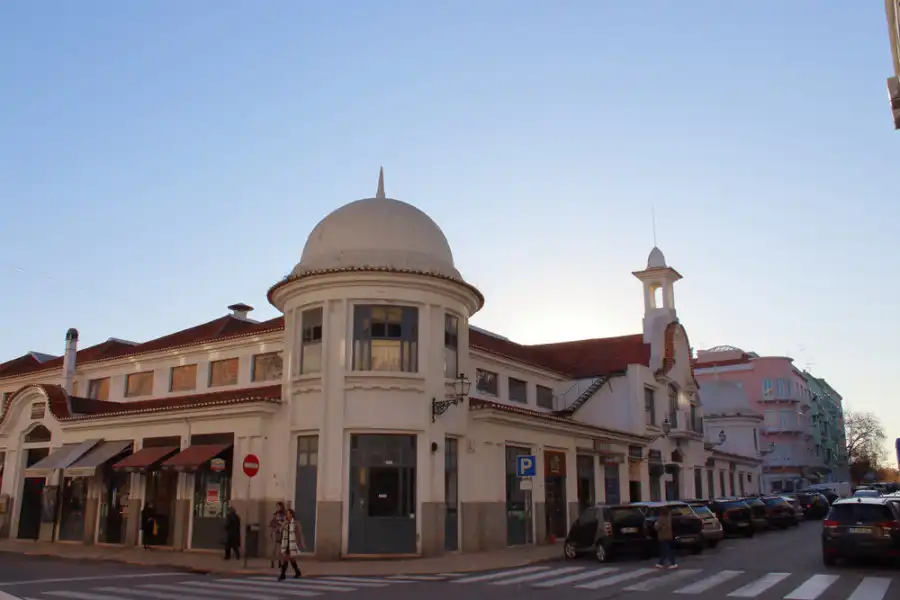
(87, 465)
(193, 457)
(145, 459)
(60, 459)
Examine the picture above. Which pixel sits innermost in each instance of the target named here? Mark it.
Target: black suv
(687, 527)
(861, 528)
(814, 505)
(603, 531)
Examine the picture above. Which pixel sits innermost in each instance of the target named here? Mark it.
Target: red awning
(193, 457)
(145, 459)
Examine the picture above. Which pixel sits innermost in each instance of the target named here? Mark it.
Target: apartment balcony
(774, 397)
(785, 429)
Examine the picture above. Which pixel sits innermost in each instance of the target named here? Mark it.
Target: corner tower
(658, 280)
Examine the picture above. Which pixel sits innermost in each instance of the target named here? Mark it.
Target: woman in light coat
(291, 544)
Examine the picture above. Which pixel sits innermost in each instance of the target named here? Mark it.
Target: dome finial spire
(380, 193)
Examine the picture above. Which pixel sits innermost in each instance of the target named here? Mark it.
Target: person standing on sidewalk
(291, 545)
(148, 524)
(664, 536)
(232, 534)
(275, 527)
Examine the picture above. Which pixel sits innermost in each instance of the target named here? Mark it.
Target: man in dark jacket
(232, 534)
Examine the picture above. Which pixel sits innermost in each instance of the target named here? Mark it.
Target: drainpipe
(69, 360)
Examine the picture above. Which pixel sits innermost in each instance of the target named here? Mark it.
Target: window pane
(98, 389)
(386, 355)
(518, 390)
(267, 367)
(223, 372)
(451, 346)
(184, 378)
(312, 325)
(544, 397)
(486, 382)
(139, 384)
(311, 358)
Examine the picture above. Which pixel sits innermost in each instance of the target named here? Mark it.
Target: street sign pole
(250, 466)
(526, 469)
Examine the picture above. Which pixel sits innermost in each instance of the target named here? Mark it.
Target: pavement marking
(175, 588)
(83, 596)
(813, 587)
(332, 584)
(652, 584)
(607, 581)
(92, 578)
(146, 594)
(491, 576)
(5, 596)
(287, 584)
(871, 588)
(230, 590)
(755, 588)
(536, 576)
(371, 581)
(577, 577)
(416, 577)
(709, 583)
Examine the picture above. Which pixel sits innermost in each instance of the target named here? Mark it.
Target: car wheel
(600, 553)
(569, 550)
(829, 560)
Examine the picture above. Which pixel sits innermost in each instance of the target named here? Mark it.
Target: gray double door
(382, 515)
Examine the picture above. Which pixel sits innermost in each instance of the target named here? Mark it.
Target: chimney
(240, 310)
(69, 360)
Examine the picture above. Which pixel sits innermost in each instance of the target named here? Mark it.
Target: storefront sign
(554, 464)
(217, 465)
(212, 495)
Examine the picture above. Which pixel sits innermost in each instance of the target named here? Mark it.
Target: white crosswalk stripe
(696, 582)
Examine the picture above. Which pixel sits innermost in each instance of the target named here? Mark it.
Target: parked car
(687, 527)
(734, 515)
(779, 512)
(861, 528)
(758, 512)
(814, 504)
(798, 510)
(604, 531)
(712, 528)
(866, 492)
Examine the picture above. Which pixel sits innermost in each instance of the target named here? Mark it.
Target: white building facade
(390, 424)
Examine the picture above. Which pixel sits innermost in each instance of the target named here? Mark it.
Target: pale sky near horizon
(160, 161)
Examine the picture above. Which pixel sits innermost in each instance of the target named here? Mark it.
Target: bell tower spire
(379, 194)
(658, 280)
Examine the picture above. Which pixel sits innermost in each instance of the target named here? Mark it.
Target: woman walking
(291, 544)
(275, 526)
(665, 536)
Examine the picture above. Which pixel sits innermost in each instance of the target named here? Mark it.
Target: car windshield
(681, 510)
(735, 504)
(753, 501)
(702, 510)
(625, 513)
(859, 513)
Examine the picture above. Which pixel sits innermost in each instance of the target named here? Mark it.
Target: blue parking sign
(526, 466)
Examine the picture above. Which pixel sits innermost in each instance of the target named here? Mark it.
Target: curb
(261, 572)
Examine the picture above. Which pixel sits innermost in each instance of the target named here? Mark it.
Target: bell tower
(658, 280)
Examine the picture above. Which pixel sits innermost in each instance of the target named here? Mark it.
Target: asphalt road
(784, 565)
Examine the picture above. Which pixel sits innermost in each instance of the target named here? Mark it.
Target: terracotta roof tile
(75, 408)
(599, 356)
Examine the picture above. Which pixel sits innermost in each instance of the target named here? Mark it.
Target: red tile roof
(580, 359)
(75, 408)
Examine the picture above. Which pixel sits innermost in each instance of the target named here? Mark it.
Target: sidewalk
(212, 562)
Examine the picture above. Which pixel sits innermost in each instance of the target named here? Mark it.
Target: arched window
(38, 435)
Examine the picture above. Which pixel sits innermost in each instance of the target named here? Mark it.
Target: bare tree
(865, 438)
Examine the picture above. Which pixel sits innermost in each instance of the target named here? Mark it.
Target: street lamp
(461, 387)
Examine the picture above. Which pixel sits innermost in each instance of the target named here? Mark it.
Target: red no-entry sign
(251, 465)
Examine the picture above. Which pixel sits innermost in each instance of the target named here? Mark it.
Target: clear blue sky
(161, 160)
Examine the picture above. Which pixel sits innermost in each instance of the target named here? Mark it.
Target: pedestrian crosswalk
(683, 582)
(244, 588)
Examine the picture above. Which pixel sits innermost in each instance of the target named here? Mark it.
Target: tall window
(451, 493)
(698, 482)
(518, 390)
(139, 384)
(183, 378)
(386, 338)
(311, 341)
(223, 372)
(673, 407)
(650, 405)
(756, 439)
(267, 367)
(487, 382)
(98, 389)
(544, 397)
(451, 347)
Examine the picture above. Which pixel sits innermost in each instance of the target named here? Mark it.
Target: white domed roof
(656, 260)
(379, 233)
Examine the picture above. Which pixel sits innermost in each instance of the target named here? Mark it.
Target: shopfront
(113, 489)
(555, 493)
(161, 486)
(210, 459)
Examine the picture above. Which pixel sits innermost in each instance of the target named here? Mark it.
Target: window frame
(308, 339)
(253, 371)
(172, 377)
(496, 378)
(128, 394)
(95, 385)
(549, 394)
(451, 345)
(650, 405)
(520, 384)
(407, 340)
(237, 373)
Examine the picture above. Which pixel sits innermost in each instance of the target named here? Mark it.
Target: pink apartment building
(777, 389)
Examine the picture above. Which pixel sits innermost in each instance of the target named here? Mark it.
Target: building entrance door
(32, 497)
(611, 483)
(382, 517)
(305, 487)
(555, 493)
